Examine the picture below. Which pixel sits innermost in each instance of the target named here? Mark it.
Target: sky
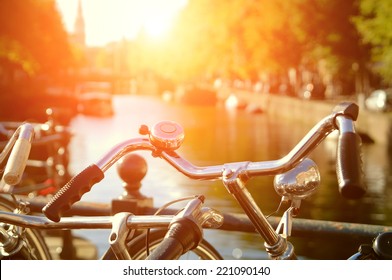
(112, 20)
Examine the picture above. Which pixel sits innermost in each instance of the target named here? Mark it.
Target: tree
(333, 38)
(32, 37)
(375, 25)
(245, 38)
(236, 38)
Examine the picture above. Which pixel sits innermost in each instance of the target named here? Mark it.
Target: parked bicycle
(32, 245)
(297, 178)
(46, 168)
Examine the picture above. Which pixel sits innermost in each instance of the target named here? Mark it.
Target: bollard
(132, 168)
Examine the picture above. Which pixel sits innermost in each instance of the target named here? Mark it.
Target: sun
(155, 18)
(156, 28)
(112, 20)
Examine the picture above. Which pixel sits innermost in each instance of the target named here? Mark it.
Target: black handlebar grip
(349, 166)
(169, 249)
(72, 192)
(182, 236)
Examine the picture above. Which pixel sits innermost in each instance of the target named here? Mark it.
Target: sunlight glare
(156, 28)
(112, 20)
(231, 102)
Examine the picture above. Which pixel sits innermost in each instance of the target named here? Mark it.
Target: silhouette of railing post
(132, 168)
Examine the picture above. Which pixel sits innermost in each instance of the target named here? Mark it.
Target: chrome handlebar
(337, 120)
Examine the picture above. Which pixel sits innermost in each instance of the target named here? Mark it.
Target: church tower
(79, 28)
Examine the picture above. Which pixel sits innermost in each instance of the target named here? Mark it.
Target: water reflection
(215, 136)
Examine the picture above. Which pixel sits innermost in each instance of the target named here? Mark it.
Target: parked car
(379, 100)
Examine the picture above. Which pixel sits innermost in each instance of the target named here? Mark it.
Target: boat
(95, 99)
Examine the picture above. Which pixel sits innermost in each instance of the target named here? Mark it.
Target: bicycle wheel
(137, 247)
(33, 246)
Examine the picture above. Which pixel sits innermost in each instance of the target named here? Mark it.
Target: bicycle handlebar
(19, 145)
(21, 138)
(88, 222)
(348, 161)
(349, 169)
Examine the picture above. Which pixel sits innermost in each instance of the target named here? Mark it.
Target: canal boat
(95, 99)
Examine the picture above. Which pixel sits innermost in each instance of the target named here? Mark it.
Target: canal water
(217, 135)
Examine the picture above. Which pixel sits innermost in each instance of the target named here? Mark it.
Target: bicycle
(46, 168)
(123, 225)
(21, 236)
(33, 245)
(166, 137)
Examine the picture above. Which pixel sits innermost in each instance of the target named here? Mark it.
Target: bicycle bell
(167, 135)
(299, 182)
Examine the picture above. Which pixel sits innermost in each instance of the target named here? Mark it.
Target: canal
(216, 135)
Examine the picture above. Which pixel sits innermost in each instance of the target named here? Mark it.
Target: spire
(79, 28)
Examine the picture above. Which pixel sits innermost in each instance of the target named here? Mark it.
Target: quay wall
(378, 126)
